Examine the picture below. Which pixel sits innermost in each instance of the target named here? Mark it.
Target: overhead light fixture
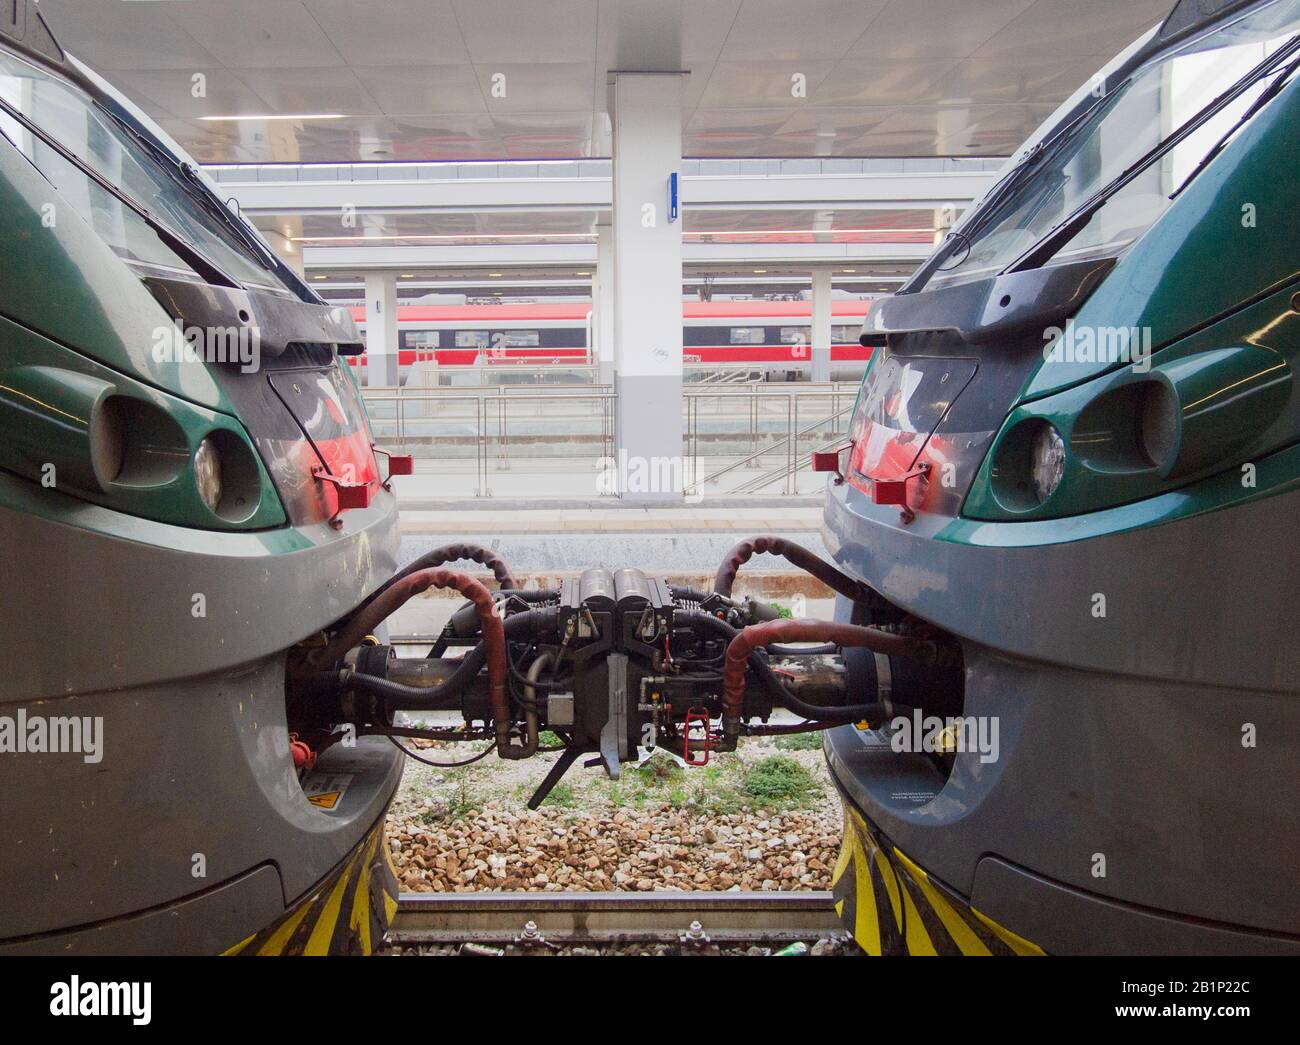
(494, 275)
(407, 275)
(275, 116)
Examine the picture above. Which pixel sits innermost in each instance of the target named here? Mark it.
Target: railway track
(612, 918)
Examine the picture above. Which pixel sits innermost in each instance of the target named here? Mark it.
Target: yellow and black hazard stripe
(891, 906)
(348, 913)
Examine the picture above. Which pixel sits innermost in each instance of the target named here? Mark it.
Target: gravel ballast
(660, 827)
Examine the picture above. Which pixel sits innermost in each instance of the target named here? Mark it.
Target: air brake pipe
(796, 555)
(455, 553)
(398, 592)
(749, 639)
(535, 670)
(823, 713)
(443, 695)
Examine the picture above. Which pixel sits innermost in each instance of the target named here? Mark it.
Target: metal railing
(787, 448)
(559, 372)
(766, 433)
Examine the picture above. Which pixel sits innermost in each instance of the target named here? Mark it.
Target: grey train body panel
(205, 923)
(194, 735)
(1121, 737)
(130, 578)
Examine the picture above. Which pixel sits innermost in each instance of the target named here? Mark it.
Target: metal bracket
(398, 464)
(613, 734)
(829, 461)
(894, 491)
(350, 494)
(696, 718)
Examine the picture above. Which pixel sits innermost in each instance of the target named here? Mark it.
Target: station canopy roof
(342, 81)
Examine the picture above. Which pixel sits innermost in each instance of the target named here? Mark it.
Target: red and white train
(770, 336)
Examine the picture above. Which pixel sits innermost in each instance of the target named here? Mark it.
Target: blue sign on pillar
(672, 197)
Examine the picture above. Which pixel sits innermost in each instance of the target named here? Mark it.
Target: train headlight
(207, 472)
(1046, 461)
(1028, 465)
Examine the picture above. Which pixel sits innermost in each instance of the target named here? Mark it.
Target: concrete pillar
(381, 329)
(602, 304)
(821, 324)
(646, 111)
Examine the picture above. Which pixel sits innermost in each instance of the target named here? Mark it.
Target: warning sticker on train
(326, 790)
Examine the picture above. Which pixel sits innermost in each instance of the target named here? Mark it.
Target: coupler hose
(824, 714)
(454, 553)
(742, 648)
(529, 624)
(796, 555)
(398, 592)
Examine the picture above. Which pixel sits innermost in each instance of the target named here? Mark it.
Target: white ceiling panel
(401, 89)
(124, 36)
(218, 92)
(1050, 78)
(392, 32)
(254, 34)
(1056, 26)
(790, 31)
(539, 87)
(910, 29)
(744, 85)
(302, 90)
(512, 31)
(880, 81)
(414, 77)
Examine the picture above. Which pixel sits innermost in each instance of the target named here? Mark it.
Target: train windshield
(151, 179)
(1092, 187)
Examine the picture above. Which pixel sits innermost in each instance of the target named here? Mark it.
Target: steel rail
(543, 918)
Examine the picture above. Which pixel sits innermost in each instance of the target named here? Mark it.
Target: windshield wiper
(185, 175)
(179, 246)
(1065, 230)
(1267, 95)
(992, 201)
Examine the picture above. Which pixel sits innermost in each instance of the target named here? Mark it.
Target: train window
(125, 232)
(519, 339)
(795, 335)
(471, 339)
(420, 339)
(71, 118)
(846, 334)
(748, 335)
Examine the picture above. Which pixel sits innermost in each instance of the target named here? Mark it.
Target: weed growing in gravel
(779, 781)
(800, 742)
(561, 795)
(549, 739)
(717, 790)
(463, 800)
